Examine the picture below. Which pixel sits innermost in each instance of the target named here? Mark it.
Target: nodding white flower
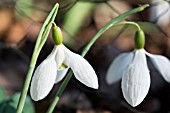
(53, 69)
(160, 12)
(132, 68)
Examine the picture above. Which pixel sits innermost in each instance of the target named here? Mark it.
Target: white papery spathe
(50, 72)
(133, 69)
(160, 12)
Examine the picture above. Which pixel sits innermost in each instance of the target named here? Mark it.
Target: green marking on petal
(62, 65)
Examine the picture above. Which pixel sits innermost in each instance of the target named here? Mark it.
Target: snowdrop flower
(53, 69)
(160, 12)
(132, 68)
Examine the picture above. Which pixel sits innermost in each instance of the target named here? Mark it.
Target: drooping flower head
(132, 68)
(53, 69)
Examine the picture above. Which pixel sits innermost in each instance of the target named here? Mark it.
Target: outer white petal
(60, 56)
(136, 79)
(162, 64)
(82, 70)
(44, 78)
(60, 75)
(117, 67)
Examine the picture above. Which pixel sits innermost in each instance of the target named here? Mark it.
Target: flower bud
(57, 35)
(139, 39)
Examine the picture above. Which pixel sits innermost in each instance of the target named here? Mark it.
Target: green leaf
(28, 107)
(5, 107)
(24, 6)
(74, 15)
(3, 96)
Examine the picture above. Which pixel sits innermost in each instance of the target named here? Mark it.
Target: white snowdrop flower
(132, 68)
(53, 69)
(160, 12)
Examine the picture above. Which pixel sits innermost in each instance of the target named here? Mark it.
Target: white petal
(43, 78)
(136, 79)
(60, 56)
(61, 74)
(82, 70)
(162, 64)
(117, 67)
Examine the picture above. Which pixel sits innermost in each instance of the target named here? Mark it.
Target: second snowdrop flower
(132, 68)
(160, 12)
(53, 69)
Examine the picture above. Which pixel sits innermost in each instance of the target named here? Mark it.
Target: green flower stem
(129, 23)
(42, 37)
(139, 35)
(111, 23)
(60, 91)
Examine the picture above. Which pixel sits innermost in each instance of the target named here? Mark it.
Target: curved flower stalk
(53, 69)
(132, 68)
(160, 12)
